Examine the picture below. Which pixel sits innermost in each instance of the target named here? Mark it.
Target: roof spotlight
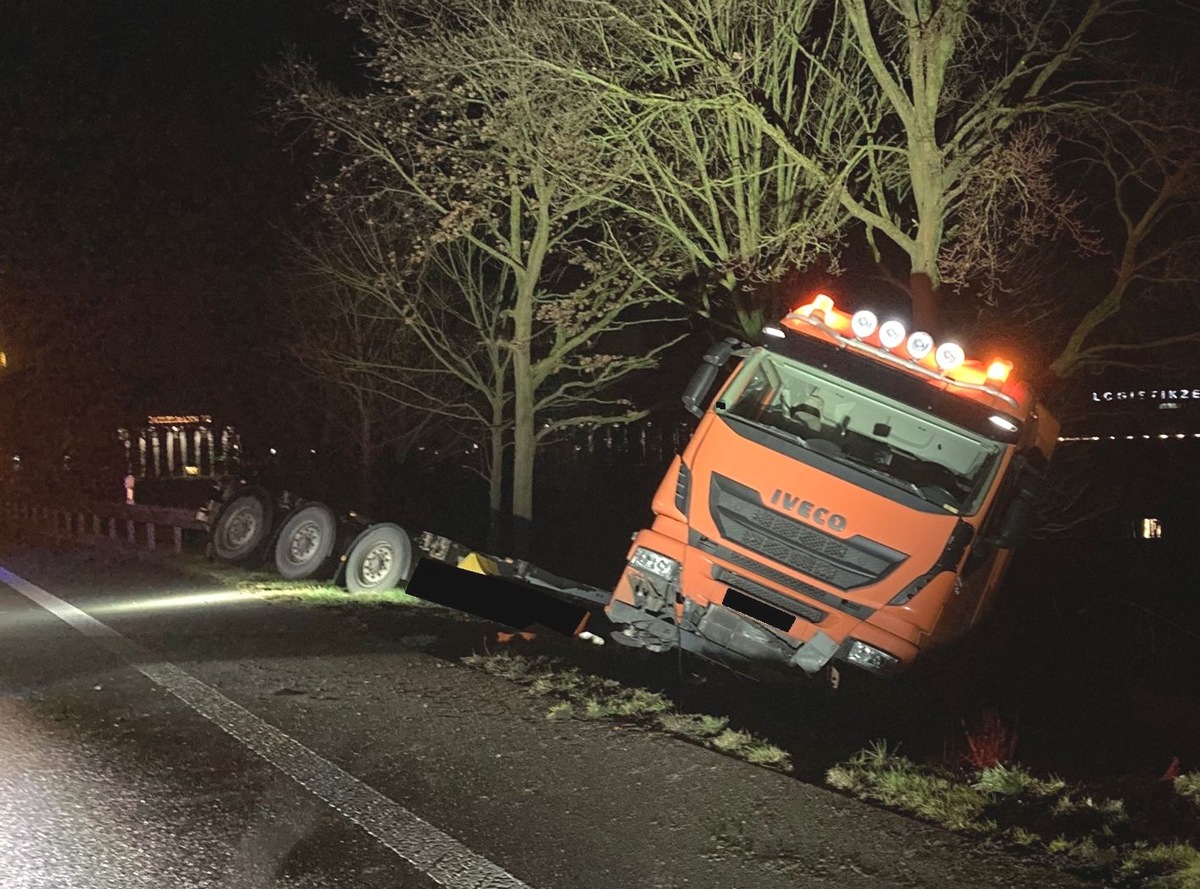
(949, 356)
(920, 344)
(863, 324)
(891, 334)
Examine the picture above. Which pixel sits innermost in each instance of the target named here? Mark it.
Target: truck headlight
(870, 658)
(654, 563)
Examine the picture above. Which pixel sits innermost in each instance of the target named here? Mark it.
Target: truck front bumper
(718, 634)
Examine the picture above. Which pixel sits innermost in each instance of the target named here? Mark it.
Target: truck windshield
(864, 430)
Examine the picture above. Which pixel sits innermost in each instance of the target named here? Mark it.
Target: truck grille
(741, 517)
(752, 589)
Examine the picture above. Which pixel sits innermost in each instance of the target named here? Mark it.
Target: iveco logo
(818, 515)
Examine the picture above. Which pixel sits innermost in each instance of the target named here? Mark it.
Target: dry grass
(1008, 804)
(270, 586)
(584, 696)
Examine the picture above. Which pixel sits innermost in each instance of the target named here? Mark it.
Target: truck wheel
(380, 558)
(305, 541)
(241, 527)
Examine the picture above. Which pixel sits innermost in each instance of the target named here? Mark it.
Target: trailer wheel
(305, 541)
(241, 526)
(380, 558)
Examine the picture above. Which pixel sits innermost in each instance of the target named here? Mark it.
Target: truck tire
(380, 558)
(305, 541)
(241, 526)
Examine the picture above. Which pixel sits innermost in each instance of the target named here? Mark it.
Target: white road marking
(442, 858)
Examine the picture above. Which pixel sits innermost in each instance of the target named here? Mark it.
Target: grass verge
(1011, 807)
(581, 695)
(272, 587)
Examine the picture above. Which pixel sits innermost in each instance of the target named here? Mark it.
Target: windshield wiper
(767, 427)
(874, 470)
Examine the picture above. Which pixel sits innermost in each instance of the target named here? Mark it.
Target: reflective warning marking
(442, 858)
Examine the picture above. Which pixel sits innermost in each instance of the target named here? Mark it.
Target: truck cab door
(1008, 525)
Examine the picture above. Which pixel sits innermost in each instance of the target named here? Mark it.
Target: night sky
(143, 190)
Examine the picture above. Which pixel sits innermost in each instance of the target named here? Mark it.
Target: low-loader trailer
(851, 496)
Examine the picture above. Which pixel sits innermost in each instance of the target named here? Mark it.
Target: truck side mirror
(1022, 511)
(1018, 521)
(696, 391)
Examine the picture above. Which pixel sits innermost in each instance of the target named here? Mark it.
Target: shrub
(990, 743)
(1187, 785)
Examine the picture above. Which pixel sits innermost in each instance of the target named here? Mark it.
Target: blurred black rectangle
(493, 598)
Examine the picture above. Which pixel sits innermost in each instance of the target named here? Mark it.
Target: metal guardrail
(114, 521)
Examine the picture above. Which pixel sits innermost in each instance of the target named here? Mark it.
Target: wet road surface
(108, 780)
(158, 731)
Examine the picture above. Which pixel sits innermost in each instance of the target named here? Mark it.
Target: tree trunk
(929, 191)
(366, 480)
(496, 478)
(924, 303)
(366, 457)
(524, 431)
(525, 383)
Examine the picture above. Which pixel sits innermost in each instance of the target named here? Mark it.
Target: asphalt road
(159, 731)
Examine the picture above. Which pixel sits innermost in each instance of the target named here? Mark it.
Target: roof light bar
(892, 340)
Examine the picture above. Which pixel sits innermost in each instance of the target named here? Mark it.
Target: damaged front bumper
(718, 634)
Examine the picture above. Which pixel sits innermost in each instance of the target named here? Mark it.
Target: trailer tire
(305, 541)
(241, 526)
(380, 558)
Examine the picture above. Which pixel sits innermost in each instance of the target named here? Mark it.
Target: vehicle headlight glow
(654, 563)
(863, 324)
(870, 658)
(891, 334)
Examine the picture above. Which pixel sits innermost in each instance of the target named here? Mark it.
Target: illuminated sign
(182, 419)
(1147, 395)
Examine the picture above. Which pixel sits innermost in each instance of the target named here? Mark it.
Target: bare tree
(452, 157)
(894, 110)
(958, 77)
(1142, 153)
(350, 350)
(431, 344)
(670, 139)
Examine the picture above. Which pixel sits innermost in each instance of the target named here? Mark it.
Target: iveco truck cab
(851, 496)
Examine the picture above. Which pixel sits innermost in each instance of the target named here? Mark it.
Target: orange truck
(851, 497)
